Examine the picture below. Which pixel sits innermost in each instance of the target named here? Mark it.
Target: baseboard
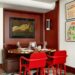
(0, 65)
(70, 69)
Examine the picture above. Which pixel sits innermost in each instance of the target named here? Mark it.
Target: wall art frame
(70, 31)
(70, 10)
(21, 27)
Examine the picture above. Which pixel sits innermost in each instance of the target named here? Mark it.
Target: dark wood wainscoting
(0, 65)
(52, 34)
(38, 17)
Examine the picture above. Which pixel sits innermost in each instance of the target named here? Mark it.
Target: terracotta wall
(51, 36)
(31, 15)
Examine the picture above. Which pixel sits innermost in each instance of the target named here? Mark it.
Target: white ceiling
(41, 6)
(46, 1)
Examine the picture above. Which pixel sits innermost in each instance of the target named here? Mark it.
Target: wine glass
(29, 47)
(45, 44)
(18, 45)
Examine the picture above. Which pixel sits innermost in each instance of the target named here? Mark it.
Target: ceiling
(41, 6)
(46, 1)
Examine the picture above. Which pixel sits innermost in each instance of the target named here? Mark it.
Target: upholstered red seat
(37, 61)
(57, 60)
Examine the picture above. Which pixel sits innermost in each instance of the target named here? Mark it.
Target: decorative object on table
(33, 44)
(29, 47)
(39, 48)
(45, 44)
(18, 45)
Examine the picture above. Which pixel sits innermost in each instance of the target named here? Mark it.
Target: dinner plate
(27, 51)
(23, 48)
(45, 49)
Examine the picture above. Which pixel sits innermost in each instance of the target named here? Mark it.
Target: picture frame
(21, 27)
(70, 31)
(70, 10)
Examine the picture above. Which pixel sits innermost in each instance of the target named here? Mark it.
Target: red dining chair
(36, 61)
(57, 60)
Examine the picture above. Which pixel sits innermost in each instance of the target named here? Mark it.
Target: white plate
(23, 48)
(45, 49)
(27, 50)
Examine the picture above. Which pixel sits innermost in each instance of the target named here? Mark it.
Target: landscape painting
(21, 27)
(70, 31)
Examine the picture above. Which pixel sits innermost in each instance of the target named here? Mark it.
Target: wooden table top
(28, 51)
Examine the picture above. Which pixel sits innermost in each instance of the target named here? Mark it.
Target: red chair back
(37, 60)
(59, 57)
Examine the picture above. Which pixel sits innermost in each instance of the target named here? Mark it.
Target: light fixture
(47, 24)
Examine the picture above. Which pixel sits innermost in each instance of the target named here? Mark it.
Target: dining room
(36, 26)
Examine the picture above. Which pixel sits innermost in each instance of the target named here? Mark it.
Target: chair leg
(29, 73)
(37, 72)
(64, 70)
(48, 70)
(20, 69)
(60, 69)
(42, 72)
(54, 71)
(24, 72)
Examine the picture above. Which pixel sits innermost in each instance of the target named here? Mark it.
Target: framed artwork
(70, 31)
(21, 27)
(70, 10)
